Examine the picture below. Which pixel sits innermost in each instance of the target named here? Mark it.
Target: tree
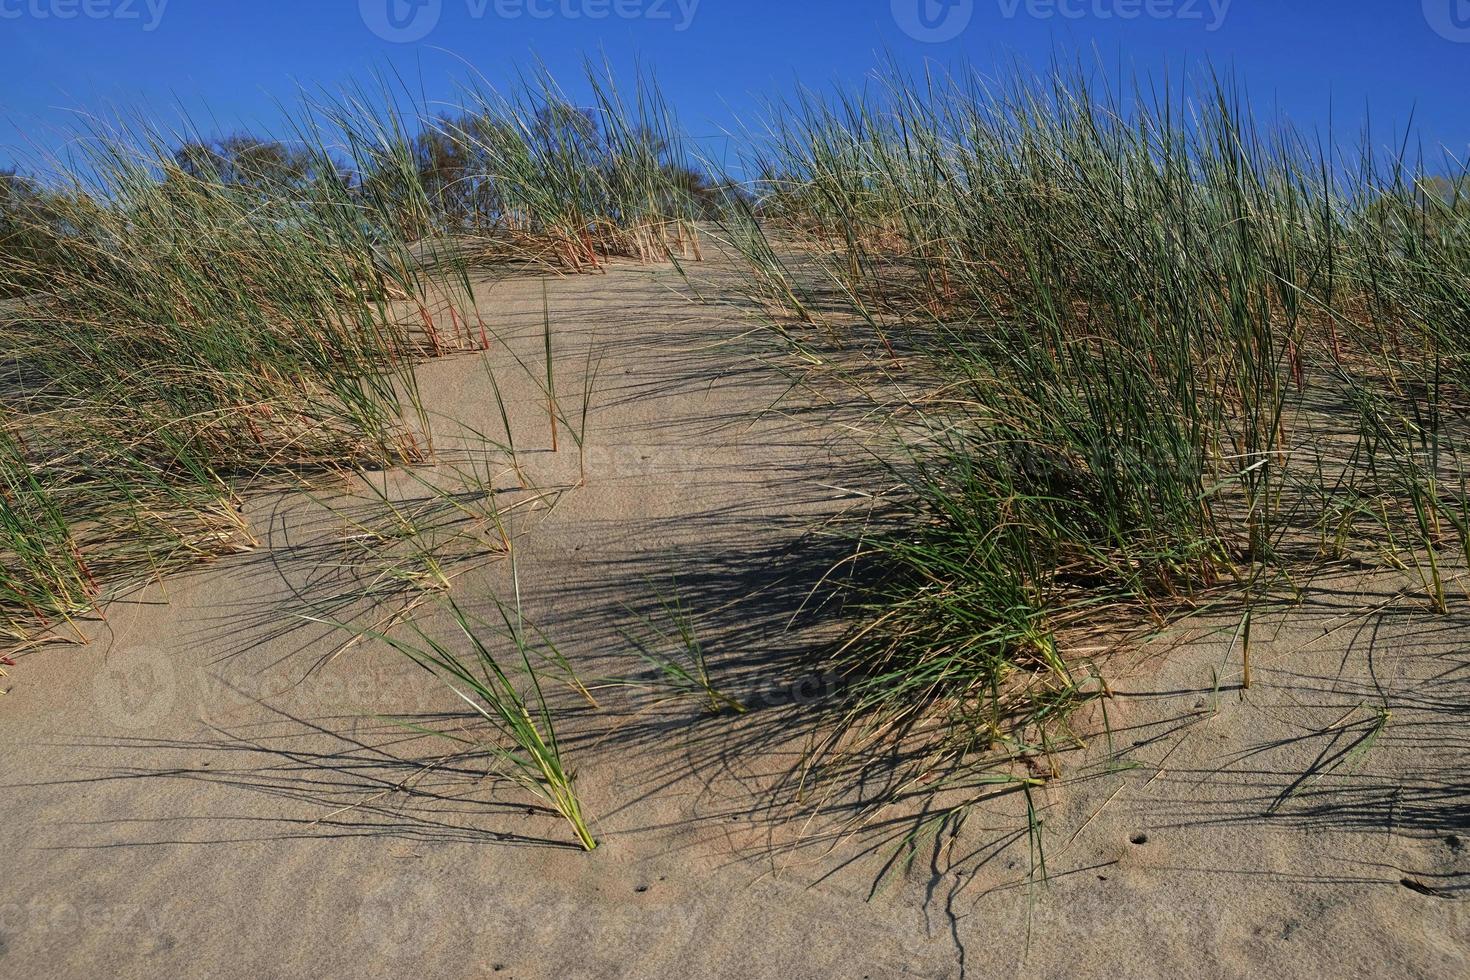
(245, 161)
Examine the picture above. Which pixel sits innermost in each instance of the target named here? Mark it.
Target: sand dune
(197, 792)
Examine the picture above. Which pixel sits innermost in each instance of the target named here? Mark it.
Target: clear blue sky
(238, 57)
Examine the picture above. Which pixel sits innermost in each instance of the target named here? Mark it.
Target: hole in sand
(1139, 838)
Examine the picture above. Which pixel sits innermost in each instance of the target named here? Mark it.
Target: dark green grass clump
(1142, 350)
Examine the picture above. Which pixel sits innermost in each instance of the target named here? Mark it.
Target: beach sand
(203, 791)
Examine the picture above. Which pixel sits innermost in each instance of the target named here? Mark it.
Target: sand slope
(188, 796)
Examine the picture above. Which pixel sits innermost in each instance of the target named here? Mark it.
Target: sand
(196, 793)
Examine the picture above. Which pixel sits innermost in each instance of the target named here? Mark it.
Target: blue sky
(233, 61)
